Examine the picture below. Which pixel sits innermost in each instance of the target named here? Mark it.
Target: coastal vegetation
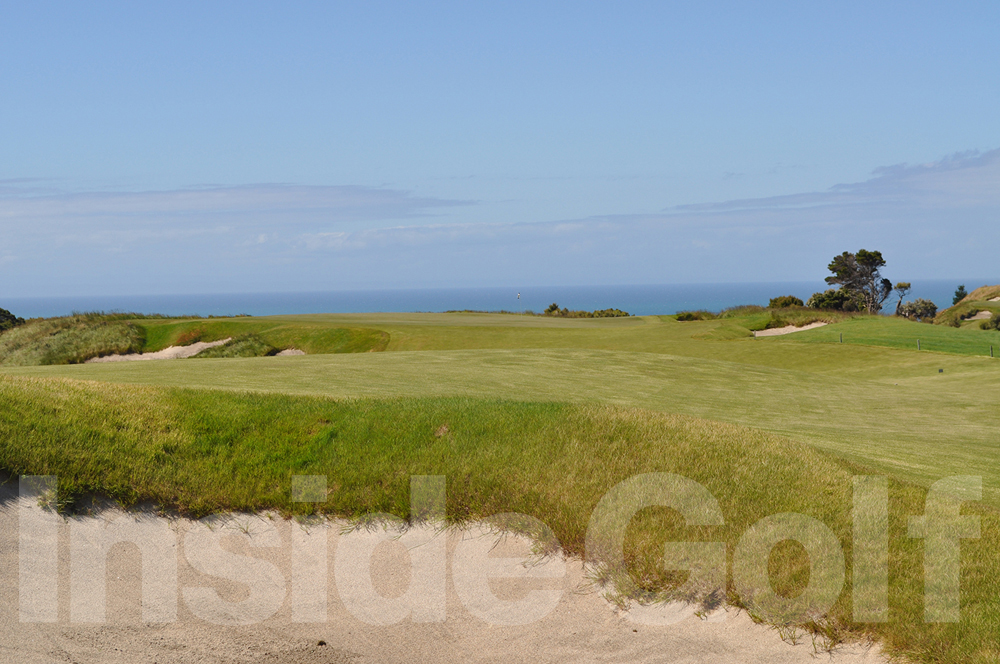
(554, 310)
(9, 320)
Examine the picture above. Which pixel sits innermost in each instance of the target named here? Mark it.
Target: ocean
(639, 300)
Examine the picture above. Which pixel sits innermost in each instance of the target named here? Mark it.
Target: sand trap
(171, 353)
(994, 299)
(981, 315)
(291, 351)
(788, 329)
(290, 585)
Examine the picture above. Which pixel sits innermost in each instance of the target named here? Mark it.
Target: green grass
(202, 451)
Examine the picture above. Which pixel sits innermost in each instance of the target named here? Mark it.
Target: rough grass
(982, 294)
(203, 451)
(959, 314)
(247, 345)
(70, 339)
(310, 336)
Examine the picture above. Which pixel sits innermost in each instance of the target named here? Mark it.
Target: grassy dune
(80, 337)
(202, 451)
(303, 334)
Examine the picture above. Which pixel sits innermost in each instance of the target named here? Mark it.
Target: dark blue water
(637, 300)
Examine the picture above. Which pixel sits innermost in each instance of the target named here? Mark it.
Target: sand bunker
(291, 351)
(171, 353)
(995, 299)
(981, 315)
(258, 589)
(788, 329)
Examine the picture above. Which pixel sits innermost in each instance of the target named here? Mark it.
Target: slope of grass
(201, 451)
(70, 339)
(309, 335)
(982, 294)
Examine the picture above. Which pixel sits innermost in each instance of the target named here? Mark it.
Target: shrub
(695, 315)
(554, 310)
(992, 323)
(838, 299)
(9, 320)
(784, 301)
(919, 309)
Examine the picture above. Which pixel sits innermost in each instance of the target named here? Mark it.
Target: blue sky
(221, 147)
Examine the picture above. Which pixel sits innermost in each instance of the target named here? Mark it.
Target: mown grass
(889, 332)
(202, 451)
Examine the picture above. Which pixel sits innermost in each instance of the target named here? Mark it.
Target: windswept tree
(960, 294)
(859, 275)
(901, 289)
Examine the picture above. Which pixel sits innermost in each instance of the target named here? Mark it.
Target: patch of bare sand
(293, 601)
(788, 329)
(994, 299)
(981, 315)
(170, 353)
(291, 351)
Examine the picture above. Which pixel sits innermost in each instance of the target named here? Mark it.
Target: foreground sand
(582, 626)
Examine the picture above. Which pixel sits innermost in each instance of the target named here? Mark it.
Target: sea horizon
(638, 300)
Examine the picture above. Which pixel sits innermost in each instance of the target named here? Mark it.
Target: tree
(859, 275)
(784, 301)
(9, 320)
(920, 309)
(901, 289)
(834, 298)
(960, 294)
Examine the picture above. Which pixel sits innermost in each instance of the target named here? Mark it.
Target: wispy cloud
(930, 220)
(272, 201)
(964, 179)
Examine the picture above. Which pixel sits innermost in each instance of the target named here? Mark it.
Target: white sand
(995, 299)
(788, 329)
(981, 315)
(170, 353)
(581, 626)
(291, 351)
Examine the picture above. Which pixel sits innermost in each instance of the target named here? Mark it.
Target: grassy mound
(70, 339)
(313, 337)
(959, 315)
(202, 451)
(247, 345)
(80, 337)
(982, 294)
